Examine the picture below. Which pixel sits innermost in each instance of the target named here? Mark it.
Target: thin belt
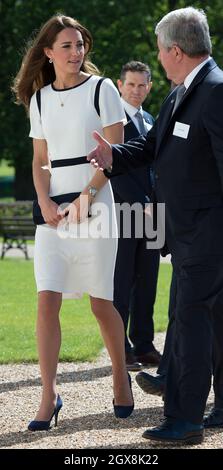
(69, 162)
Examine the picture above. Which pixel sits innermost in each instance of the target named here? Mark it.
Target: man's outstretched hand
(101, 156)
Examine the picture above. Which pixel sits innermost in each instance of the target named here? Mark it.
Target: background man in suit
(136, 271)
(186, 144)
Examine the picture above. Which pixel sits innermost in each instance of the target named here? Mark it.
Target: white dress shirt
(188, 80)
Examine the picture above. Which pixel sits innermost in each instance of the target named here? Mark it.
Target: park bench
(16, 226)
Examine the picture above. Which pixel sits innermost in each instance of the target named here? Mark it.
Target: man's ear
(150, 84)
(119, 84)
(177, 52)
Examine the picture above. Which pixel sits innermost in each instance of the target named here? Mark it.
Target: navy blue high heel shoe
(123, 411)
(45, 425)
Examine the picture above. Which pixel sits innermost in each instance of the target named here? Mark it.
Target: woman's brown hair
(36, 71)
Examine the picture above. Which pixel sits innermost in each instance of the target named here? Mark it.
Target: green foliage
(81, 340)
(122, 30)
(6, 170)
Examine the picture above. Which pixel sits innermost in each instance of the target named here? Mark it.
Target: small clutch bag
(61, 199)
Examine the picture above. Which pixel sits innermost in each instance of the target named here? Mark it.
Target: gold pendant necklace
(62, 102)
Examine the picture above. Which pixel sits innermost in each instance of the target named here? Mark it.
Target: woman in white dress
(62, 120)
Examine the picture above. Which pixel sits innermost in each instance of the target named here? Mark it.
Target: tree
(121, 30)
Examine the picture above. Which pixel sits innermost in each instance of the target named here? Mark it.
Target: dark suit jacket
(188, 172)
(134, 186)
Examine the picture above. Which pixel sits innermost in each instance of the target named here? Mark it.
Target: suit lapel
(130, 129)
(170, 100)
(165, 121)
(199, 77)
(147, 118)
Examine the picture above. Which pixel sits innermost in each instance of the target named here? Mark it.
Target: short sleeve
(111, 109)
(36, 131)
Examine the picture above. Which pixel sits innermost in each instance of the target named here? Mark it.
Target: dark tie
(139, 118)
(144, 131)
(179, 95)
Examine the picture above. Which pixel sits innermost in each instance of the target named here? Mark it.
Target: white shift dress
(81, 259)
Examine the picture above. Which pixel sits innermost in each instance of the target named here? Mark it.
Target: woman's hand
(50, 212)
(78, 210)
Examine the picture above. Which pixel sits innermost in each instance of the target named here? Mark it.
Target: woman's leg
(48, 341)
(112, 330)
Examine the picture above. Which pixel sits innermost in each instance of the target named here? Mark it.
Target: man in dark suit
(186, 147)
(136, 270)
(155, 384)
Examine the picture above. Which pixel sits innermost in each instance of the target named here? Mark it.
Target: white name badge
(181, 130)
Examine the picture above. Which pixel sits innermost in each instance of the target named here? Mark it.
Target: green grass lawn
(81, 340)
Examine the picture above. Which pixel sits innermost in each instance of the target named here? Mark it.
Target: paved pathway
(86, 420)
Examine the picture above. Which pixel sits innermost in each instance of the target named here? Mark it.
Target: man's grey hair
(188, 29)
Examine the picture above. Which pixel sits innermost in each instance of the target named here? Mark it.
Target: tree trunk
(24, 189)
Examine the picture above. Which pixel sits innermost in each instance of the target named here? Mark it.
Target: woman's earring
(50, 61)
